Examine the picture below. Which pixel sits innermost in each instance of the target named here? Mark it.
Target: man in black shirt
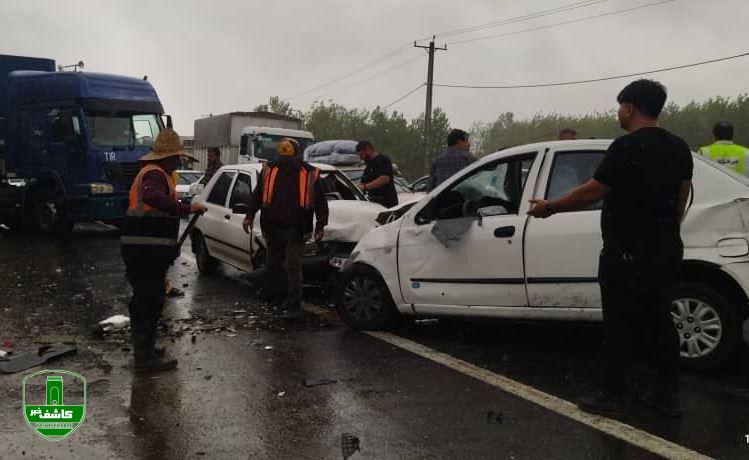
(644, 182)
(377, 178)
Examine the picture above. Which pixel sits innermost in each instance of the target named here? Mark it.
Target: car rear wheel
(206, 263)
(708, 325)
(364, 301)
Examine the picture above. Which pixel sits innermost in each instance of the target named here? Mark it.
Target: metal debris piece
(56, 338)
(318, 382)
(349, 445)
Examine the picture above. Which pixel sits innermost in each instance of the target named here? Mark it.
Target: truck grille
(121, 175)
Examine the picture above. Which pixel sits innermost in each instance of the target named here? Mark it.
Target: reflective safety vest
(727, 154)
(307, 179)
(145, 225)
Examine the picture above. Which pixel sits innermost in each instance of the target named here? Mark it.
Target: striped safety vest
(145, 225)
(307, 179)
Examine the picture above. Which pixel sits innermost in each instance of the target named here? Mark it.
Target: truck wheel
(364, 301)
(206, 263)
(708, 324)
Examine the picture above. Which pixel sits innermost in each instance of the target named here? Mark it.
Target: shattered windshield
(122, 131)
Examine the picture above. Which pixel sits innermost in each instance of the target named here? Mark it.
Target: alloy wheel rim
(699, 327)
(362, 298)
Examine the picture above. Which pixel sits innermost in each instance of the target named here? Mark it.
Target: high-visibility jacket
(727, 154)
(307, 179)
(147, 229)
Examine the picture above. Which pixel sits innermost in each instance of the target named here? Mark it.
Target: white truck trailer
(245, 136)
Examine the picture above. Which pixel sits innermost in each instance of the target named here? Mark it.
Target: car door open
(464, 249)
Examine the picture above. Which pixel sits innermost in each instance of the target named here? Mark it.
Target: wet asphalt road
(239, 392)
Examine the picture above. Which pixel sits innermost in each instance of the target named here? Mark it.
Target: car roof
(258, 166)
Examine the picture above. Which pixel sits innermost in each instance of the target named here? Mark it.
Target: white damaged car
(218, 235)
(469, 249)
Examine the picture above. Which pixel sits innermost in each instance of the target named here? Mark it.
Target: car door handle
(504, 232)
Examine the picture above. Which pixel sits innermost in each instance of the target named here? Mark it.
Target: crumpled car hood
(350, 220)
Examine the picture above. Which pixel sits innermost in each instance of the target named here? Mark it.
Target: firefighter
(288, 195)
(149, 244)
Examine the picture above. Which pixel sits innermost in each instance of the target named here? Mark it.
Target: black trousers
(147, 276)
(636, 306)
(284, 266)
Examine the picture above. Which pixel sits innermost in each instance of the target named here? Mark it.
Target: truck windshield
(265, 145)
(123, 131)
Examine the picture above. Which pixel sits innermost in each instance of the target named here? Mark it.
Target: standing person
(377, 178)
(456, 157)
(724, 151)
(149, 244)
(644, 182)
(214, 164)
(288, 195)
(567, 134)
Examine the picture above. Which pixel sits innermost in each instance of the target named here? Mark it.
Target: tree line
(403, 139)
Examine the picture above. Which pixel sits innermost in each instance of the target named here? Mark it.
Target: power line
(400, 50)
(387, 106)
(593, 80)
(516, 19)
(355, 71)
(573, 21)
(379, 74)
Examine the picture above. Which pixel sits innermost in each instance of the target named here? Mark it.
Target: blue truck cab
(72, 141)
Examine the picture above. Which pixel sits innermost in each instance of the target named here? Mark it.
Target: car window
(571, 169)
(242, 190)
(336, 186)
(499, 183)
(187, 178)
(221, 188)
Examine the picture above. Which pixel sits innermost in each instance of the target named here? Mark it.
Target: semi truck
(244, 137)
(70, 143)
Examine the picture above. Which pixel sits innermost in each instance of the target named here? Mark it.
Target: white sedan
(469, 249)
(218, 235)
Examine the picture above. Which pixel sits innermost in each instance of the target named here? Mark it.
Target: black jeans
(634, 291)
(147, 276)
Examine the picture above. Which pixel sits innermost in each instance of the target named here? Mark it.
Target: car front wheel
(708, 325)
(364, 301)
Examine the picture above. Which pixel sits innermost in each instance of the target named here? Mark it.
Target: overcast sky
(225, 55)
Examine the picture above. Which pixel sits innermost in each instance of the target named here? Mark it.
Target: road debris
(349, 445)
(318, 382)
(113, 323)
(29, 359)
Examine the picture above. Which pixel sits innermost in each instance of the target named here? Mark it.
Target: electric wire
(383, 58)
(387, 106)
(368, 79)
(558, 24)
(526, 17)
(593, 80)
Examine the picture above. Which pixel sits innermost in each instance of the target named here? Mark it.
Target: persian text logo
(43, 407)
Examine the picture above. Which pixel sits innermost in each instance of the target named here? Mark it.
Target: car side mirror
(239, 208)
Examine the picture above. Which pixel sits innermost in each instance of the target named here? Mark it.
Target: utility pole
(428, 112)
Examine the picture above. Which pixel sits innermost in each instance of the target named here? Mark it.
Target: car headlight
(98, 188)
